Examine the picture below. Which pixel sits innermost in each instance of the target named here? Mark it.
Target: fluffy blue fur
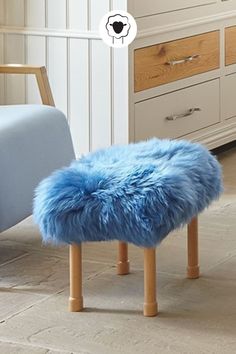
(136, 193)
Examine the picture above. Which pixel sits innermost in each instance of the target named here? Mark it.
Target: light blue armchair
(34, 141)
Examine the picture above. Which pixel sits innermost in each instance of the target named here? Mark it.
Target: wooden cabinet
(167, 62)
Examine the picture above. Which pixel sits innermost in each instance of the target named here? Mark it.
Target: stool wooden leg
(193, 266)
(123, 267)
(76, 298)
(150, 303)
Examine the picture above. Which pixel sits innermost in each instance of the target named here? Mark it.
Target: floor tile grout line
(45, 298)
(14, 259)
(223, 261)
(26, 344)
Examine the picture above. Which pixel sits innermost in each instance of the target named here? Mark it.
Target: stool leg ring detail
(193, 266)
(123, 266)
(150, 308)
(76, 298)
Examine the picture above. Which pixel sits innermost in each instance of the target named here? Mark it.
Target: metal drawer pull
(190, 112)
(184, 60)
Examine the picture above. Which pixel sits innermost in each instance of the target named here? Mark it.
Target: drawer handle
(190, 112)
(184, 60)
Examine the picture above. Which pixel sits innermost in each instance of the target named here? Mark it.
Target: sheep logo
(118, 29)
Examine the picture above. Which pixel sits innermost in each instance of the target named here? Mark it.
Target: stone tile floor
(196, 316)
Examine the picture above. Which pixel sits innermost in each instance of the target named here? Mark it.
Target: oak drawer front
(178, 113)
(230, 45)
(228, 96)
(153, 7)
(163, 63)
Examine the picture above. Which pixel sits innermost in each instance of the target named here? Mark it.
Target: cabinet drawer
(153, 7)
(171, 61)
(228, 96)
(178, 113)
(230, 45)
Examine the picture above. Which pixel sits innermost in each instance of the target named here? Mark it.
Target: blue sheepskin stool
(136, 193)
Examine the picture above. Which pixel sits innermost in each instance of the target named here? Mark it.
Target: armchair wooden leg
(76, 298)
(193, 266)
(150, 308)
(123, 266)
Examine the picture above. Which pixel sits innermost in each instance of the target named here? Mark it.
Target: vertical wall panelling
(78, 14)
(1, 51)
(56, 14)
(2, 12)
(35, 55)
(79, 94)
(86, 75)
(101, 94)
(120, 96)
(98, 8)
(14, 53)
(100, 81)
(78, 72)
(14, 50)
(57, 69)
(15, 13)
(119, 5)
(35, 13)
(1, 76)
(120, 87)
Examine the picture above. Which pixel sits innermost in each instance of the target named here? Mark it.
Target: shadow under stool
(150, 307)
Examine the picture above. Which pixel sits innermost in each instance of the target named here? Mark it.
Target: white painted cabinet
(182, 78)
(228, 96)
(153, 7)
(178, 113)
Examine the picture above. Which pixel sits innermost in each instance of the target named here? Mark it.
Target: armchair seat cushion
(34, 140)
(136, 193)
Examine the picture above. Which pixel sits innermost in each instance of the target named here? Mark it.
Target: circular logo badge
(118, 29)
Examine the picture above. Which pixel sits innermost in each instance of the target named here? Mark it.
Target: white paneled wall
(35, 51)
(78, 15)
(14, 17)
(79, 82)
(1, 76)
(56, 14)
(87, 77)
(57, 68)
(2, 20)
(35, 13)
(14, 52)
(2, 17)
